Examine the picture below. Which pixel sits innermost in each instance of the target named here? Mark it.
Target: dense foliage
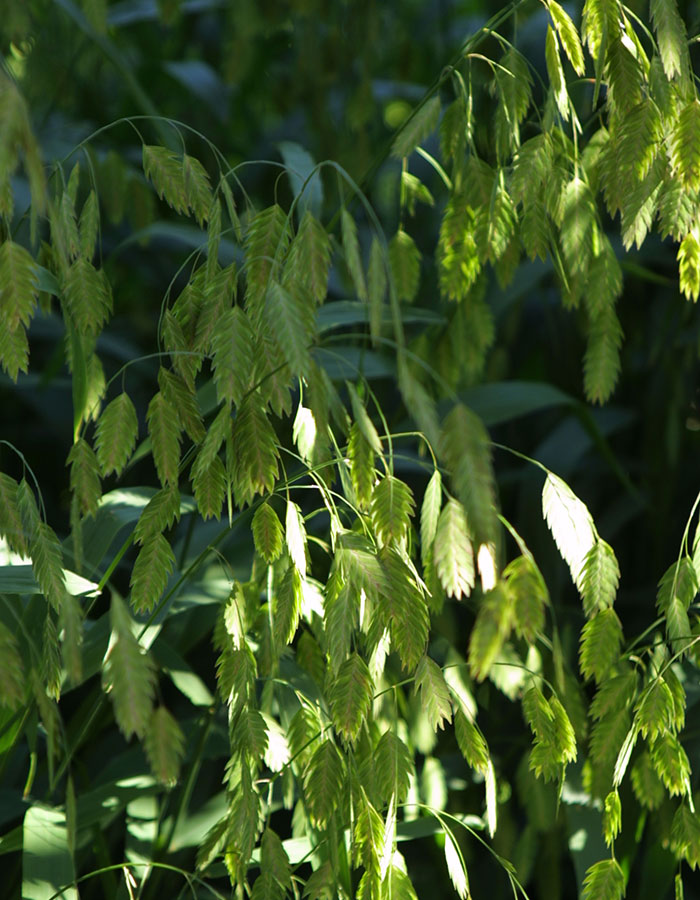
(315, 606)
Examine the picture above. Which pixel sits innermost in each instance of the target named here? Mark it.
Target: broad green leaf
(47, 863)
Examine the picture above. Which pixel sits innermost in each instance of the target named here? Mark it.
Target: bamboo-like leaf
(164, 743)
(376, 286)
(182, 398)
(362, 470)
(393, 766)
(689, 264)
(453, 555)
(164, 430)
(568, 35)
(166, 172)
(404, 258)
(514, 83)
(614, 694)
(604, 880)
(430, 512)
(648, 787)
(353, 257)
(397, 885)
(14, 350)
(601, 638)
(255, 449)
(456, 867)
(268, 535)
(287, 605)
(685, 145)
(655, 710)
(197, 190)
(47, 563)
(465, 446)
(422, 123)
(579, 228)
(311, 253)
(612, 817)
(18, 293)
(492, 626)
(12, 677)
(363, 420)
(209, 485)
(341, 611)
(435, 697)
(11, 526)
(28, 510)
(471, 743)
(128, 674)
(685, 835)
(530, 596)
(570, 523)
(150, 573)
(233, 349)
(84, 477)
(323, 782)
(404, 607)
(391, 509)
(457, 255)
(351, 697)
(88, 296)
(671, 37)
(266, 244)
(249, 734)
(89, 225)
(117, 430)
(295, 537)
(600, 577)
(671, 764)
(289, 316)
(556, 74)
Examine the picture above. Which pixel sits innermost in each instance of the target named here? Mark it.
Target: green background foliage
(349, 431)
